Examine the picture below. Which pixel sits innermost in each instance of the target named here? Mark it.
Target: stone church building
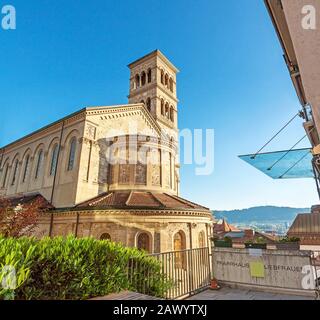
(112, 172)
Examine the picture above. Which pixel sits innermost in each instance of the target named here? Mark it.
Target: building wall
(29, 148)
(94, 130)
(125, 226)
(282, 268)
(307, 48)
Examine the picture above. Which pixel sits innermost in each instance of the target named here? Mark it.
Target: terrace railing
(181, 274)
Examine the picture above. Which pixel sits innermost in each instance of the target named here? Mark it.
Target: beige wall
(93, 129)
(307, 49)
(124, 226)
(282, 268)
(45, 140)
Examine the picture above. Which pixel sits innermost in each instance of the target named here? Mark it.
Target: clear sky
(67, 54)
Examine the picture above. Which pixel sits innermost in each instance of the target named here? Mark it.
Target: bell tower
(153, 82)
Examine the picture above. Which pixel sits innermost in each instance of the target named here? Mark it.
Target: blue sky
(67, 54)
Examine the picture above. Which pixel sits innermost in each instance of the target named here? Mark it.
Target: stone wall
(281, 269)
(125, 226)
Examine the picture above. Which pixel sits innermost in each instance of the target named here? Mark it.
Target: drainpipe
(190, 234)
(51, 225)
(77, 225)
(55, 176)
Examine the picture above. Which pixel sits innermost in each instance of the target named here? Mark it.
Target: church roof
(158, 53)
(26, 200)
(140, 199)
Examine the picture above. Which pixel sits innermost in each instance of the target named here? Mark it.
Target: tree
(19, 219)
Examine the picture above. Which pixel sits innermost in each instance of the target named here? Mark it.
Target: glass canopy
(283, 164)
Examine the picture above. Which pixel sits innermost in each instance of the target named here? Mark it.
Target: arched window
(162, 77)
(72, 153)
(15, 171)
(166, 79)
(137, 80)
(54, 160)
(26, 168)
(179, 244)
(143, 78)
(162, 107)
(171, 114)
(149, 104)
(142, 101)
(143, 242)
(4, 181)
(167, 110)
(105, 236)
(202, 243)
(39, 164)
(149, 75)
(171, 84)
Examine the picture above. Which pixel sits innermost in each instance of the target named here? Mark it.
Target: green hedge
(71, 268)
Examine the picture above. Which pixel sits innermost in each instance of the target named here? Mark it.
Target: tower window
(149, 104)
(162, 77)
(162, 107)
(171, 84)
(167, 110)
(149, 75)
(171, 114)
(166, 79)
(137, 81)
(143, 78)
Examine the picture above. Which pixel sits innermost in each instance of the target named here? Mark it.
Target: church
(112, 172)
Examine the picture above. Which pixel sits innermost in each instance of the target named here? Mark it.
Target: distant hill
(260, 214)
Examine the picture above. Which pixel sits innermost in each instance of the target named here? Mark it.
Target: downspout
(55, 177)
(77, 225)
(190, 234)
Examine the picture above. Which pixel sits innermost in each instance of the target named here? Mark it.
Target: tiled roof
(224, 227)
(140, 199)
(306, 223)
(27, 199)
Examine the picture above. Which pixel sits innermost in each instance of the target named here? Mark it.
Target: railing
(180, 273)
(315, 263)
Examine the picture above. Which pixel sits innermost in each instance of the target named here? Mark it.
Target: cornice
(130, 212)
(112, 112)
(49, 129)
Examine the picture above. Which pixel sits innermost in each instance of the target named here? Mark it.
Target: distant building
(306, 227)
(222, 229)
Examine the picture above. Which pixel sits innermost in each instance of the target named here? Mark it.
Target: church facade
(112, 172)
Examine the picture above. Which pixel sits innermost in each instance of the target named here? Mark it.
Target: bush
(71, 268)
(289, 240)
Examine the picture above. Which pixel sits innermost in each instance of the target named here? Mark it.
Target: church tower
(153, 82)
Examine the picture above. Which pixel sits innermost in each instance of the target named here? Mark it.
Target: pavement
(227, 293)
